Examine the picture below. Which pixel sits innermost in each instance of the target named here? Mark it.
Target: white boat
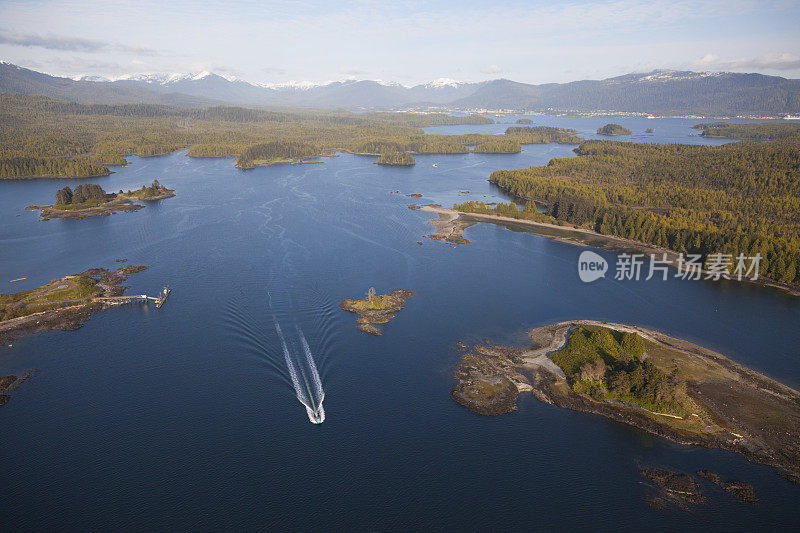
(436, 164)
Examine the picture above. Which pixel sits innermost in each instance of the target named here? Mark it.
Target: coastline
(57, 177)
(451, 225)
(70, 317)
(733, 403)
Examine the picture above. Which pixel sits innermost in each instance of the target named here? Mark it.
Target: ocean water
(187, 417)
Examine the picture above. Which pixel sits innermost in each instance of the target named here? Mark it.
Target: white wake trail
(310, 394)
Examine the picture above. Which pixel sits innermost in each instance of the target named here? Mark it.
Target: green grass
(48, 297)
(379, 301)
(79, 287)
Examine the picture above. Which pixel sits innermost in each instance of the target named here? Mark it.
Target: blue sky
(404, 41)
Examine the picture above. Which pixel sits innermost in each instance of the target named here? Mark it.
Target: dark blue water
(186, 416)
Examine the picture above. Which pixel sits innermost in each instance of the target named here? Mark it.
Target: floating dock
(130, 298)
(164, 293)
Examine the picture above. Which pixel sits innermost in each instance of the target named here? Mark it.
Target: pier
(131, 298)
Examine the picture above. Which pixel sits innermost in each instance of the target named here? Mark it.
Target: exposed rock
(730, 405)
(741, 490)
(10, 383)
(377, 309)
(711, 476)
(73, 316)
(680, 490)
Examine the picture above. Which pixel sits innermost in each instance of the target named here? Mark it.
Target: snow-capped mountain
(655, 92)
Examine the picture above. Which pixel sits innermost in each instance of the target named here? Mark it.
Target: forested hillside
(750, 130)
(742, 197)
(659, 91)
(44, 137)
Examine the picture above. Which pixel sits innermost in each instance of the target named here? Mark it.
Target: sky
(402, 41)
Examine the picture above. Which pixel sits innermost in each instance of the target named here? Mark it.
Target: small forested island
(276, 152)
(524, 121)
(614, 129)
(64, 303)
(396, 158)
(90, 200)
(644, 378)
(499, 146)
(376, 308)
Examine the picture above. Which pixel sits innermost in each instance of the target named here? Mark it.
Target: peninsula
(376, 308)
(90, 200)
(451, 224)
(663, 385)
(64, 303)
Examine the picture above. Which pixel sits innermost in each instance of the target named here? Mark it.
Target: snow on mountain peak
(440, 83)
(201, 75)
(291, 84)
(676, 75)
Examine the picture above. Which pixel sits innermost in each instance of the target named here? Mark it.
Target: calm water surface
(186, 416)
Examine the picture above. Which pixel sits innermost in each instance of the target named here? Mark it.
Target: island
(278, 153)
(64, 303)
(376, 308)
(396, 158)
(643, 378)
(90, 200)
(614, 129)
(524, 121)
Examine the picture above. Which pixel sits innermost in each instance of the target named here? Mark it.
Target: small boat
(435, 165)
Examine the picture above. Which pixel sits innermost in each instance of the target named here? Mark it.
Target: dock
(131, 298)
(164, 293)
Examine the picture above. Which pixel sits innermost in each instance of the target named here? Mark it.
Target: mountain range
(662, 92)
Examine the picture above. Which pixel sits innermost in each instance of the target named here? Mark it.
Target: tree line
(738, 198)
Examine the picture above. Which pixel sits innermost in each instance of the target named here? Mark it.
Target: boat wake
(304, 374)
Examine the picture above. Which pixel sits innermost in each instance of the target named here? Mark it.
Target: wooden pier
(131, 298)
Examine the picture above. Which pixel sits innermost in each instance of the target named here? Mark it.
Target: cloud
(491, 69)
(773, 61)
(70, 44)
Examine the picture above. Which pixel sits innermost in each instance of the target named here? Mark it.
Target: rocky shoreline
(736, 408)
(10, 383)
(451, 224)
(70, 317)
(376, 309)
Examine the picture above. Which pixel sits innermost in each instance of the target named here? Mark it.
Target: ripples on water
(220, 440)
